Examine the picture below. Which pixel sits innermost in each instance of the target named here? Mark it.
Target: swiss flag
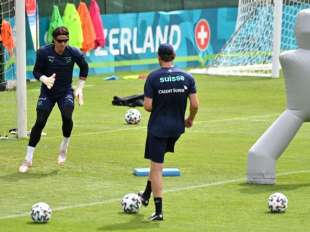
(202, 34)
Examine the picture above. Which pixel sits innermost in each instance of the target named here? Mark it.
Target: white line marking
(218, 183)
(255, 117)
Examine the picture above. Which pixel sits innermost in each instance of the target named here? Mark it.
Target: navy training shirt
(169, 88)
(49, 62)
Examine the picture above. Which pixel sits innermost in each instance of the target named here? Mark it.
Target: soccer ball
(277, 203)
(133, 116)
(41, 212)
(131, 203)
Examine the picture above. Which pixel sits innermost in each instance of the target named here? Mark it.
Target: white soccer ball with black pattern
(131, 203)
(41, 212)
(277, 203)
(133, 116)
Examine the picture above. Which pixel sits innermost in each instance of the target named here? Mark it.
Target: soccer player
(54, 68)
(165, 95)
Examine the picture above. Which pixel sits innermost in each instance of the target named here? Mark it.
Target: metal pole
(2, 84)
(21, 68)
(277, 22)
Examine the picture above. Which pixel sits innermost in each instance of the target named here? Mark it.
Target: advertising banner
(132, 39)
(32, 18)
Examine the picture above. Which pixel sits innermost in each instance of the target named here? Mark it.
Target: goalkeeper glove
(48, 81)
(79, 92)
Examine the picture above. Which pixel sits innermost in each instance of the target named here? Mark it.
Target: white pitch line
(255, 117)
(218, 183)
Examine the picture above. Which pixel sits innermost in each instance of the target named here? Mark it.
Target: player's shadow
(14, 177)
(136, 221)
(256, 188)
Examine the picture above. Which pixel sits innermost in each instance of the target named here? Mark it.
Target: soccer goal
(13, 68)
(264, 28)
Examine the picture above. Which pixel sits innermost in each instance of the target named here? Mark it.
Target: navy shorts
(156, 147)
(46, 102)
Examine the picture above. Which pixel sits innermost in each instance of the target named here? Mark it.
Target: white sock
(64, 144)
(29, 155)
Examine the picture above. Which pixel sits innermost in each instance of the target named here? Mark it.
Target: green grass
(210, 195)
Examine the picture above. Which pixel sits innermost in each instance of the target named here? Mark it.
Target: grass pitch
(210, 195)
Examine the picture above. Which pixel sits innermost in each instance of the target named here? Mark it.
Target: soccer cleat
(156, 217)
(25, 166)
(144, 201)
(62, 157)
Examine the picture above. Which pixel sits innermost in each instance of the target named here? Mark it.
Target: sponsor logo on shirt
(171, 79)
(51, 59)
(68, 59)
(170, 91)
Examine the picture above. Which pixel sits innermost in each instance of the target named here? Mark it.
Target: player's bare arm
(148, 104)
(193, 109)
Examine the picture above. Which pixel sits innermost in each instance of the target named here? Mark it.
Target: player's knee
(41, 120)
(67, 119)
(156, 166)
(67, 115)
(40, 123)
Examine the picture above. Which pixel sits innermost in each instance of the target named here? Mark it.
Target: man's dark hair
(166, 52)
(60, 31)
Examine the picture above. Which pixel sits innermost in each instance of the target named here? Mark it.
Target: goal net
(264, 28)
(13, 98)
(8, 107)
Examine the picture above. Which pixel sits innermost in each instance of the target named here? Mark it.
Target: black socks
(158, 205)
(148, 190)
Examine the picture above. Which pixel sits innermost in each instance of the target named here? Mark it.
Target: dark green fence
(127, 6)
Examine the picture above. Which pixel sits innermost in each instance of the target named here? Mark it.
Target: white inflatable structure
(264, 153)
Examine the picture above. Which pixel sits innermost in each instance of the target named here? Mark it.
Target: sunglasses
(62, 40)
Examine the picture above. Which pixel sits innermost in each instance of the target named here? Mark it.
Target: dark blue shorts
(47, 102)
(156, 147)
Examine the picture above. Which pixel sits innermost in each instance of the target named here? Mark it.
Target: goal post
(21, 69)
(264, 28)
(276, 46)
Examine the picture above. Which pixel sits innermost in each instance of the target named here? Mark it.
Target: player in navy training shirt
(166, 92)
(54, 68)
